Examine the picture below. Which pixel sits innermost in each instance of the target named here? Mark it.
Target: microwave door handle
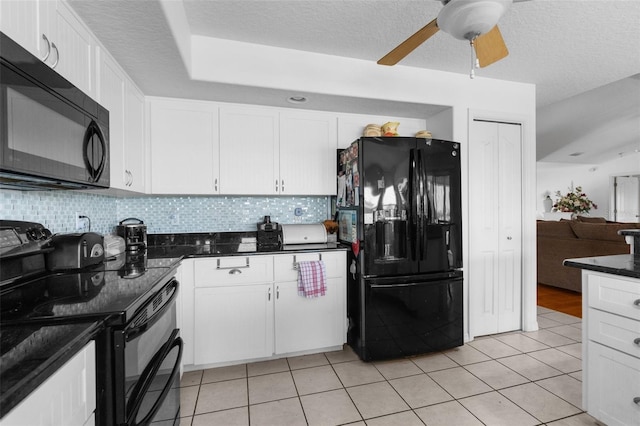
(103, 145)
(93, 131)
(146, 380)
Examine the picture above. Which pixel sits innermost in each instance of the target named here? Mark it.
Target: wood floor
(558, 299)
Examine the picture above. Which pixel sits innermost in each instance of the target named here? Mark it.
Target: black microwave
(53, 136)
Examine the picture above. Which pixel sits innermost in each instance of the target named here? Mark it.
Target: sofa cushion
(588, 219)
(559, 229)
(600, 231)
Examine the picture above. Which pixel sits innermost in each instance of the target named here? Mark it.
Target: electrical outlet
(174, 218)
(80, 222)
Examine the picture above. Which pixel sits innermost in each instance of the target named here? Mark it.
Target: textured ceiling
(568, 49)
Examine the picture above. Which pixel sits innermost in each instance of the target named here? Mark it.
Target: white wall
(594, 180)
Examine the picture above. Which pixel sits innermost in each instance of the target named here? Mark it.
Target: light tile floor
(506, 379)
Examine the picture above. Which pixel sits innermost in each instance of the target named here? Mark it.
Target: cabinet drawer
(614, 384)
(615, 331)
(221, 271)
(618, 295)
(334, 262)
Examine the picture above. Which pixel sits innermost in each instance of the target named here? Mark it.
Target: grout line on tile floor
(334, 361)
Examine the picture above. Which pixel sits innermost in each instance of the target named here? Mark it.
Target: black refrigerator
(399, 206)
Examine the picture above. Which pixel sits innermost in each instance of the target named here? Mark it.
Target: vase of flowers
(574, 201)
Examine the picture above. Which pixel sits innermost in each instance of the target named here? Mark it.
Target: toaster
(75, 251)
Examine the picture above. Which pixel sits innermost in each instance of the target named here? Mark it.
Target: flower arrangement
(574, 201)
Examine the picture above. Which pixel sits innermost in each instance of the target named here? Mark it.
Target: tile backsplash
(56, 209)
(162, 214)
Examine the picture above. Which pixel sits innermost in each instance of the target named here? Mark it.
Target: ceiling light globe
(466, 19)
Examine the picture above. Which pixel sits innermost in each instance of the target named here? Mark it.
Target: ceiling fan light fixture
(467, 19)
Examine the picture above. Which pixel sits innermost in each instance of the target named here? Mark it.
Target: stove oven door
(147, 372)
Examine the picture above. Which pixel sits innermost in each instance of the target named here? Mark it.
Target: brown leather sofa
(567, 239)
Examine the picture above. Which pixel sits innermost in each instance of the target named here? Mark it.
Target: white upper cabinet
(19, 19)
(266, 151)
(308, 149)
(184, 147)
(51, 31)
(134, 140)
(249, 151)
(125, 104)
(73, 47)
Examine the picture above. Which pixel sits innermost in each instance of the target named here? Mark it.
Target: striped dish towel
(312, 281)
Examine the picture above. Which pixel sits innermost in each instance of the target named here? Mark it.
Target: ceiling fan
(472, 20)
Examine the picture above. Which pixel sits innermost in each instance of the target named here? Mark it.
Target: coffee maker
(269, 235)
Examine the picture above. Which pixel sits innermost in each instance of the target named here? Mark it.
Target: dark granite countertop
(627, 265)
(35, 353)
(221, 244)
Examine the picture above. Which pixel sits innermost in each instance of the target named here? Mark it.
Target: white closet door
(495, 222)
(626, 192)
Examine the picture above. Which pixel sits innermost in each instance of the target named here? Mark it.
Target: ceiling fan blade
(490, 47)
(409, 44)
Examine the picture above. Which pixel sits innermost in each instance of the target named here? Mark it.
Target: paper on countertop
(342, 189)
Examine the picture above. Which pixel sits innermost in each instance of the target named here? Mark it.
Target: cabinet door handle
(277, 292)
(282, 186)
(276, 185)
(57, 55)
(130, 178)
(269, 294)
(637, 302)
(235, 271)
(44, 37)
(233, 267)
(636, 341)
(636, 400)
(215, 185)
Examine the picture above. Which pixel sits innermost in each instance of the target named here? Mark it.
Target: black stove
(129, 298)
(79, 297)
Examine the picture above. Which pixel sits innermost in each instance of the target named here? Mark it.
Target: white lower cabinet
(304, 324)
(614, 396)
(233, 323)
(186, 309)
(249, 308)
(66, 398)
(611, 348)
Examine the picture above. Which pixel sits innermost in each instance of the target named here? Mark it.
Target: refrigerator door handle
(421, 205)
(418, 283)
(412, 236)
